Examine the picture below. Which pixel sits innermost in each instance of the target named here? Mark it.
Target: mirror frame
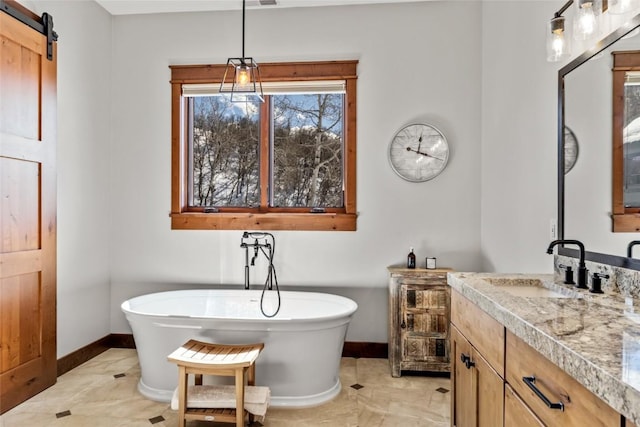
(614, 260)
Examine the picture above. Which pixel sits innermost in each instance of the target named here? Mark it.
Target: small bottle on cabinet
(411, 259)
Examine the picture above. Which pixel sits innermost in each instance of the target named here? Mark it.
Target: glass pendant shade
(586, 24)
(243, 76)
(558, 47)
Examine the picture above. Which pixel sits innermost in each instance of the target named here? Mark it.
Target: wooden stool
(199, 358)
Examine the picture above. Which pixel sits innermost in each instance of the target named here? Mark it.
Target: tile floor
(102, 393)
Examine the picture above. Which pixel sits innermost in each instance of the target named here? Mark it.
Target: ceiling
(132, 7)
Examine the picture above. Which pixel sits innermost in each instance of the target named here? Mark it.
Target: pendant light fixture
(242, 76)
(558, 45)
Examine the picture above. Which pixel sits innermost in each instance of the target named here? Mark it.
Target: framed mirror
(585, 192)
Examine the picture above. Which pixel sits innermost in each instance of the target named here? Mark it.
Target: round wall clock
(570, 149)
(418, 152)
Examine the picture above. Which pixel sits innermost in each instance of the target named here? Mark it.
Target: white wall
(84, 136)
(490, 92)
(418, 62)
(518, 137)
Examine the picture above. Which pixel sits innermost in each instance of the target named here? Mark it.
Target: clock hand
(419, 142)
(424, 154)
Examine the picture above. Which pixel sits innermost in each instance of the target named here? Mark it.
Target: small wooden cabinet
(419, 307)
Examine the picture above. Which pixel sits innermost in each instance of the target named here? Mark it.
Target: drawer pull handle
(467, 361)
(403, 325)
(531, 382)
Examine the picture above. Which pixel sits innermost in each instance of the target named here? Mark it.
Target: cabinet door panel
(433, 298)
(427, 324)
(489, 388)
(425, 349)
(424, 317)
(463, 404)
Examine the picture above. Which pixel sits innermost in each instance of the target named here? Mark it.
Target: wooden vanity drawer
(516, 412)
(482, 330)
(581, 407)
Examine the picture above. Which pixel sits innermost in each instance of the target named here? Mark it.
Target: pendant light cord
(244, 3)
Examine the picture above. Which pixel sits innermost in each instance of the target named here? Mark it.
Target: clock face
(418, 152)
(570, 149)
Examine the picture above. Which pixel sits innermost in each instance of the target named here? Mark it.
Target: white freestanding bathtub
(302, 343)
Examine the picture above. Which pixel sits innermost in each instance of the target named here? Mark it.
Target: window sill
(264, 221)
(623, 223)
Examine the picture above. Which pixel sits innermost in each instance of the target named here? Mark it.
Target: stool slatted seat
(199, 358)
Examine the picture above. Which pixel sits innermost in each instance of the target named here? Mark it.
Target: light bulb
(586, 20)
(557, 43)
(243, 75)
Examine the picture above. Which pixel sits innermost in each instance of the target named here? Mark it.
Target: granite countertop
(595, 338)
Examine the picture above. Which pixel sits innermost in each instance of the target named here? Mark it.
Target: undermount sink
(531, 287)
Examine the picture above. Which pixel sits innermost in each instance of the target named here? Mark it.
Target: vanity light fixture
(558, 45)
(242, 75)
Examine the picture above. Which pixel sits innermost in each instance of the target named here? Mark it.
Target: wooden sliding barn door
(27, 213)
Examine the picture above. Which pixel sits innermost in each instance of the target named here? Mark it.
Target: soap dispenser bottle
(411, 259)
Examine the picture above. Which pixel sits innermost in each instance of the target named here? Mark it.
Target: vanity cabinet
(419, 307)
(477, 366)
(499, 380)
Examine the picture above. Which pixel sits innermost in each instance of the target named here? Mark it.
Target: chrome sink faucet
(582, 268)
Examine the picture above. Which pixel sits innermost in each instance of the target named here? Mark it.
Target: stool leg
(251, 380)
(239, 397)
(251, 375)
(182, 395)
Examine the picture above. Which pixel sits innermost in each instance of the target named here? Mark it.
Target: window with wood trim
(285, 164)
